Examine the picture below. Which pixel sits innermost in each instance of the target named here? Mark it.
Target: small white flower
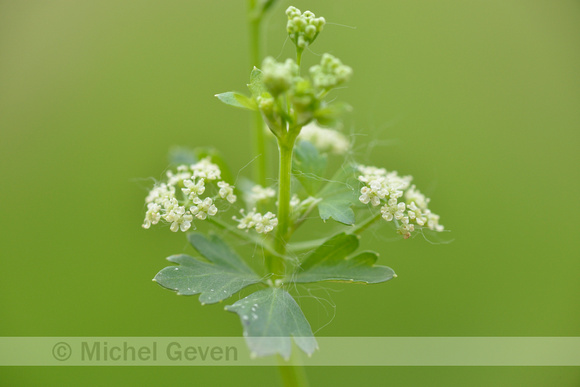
(405, 230)
(246, 221)
(152, 216)
(193, 190)
(433, 222)
(265, 223)
(226, 192)
(203, 208)
(260, 193)
(295, 201)
(174, 179)
(380, 185)
(206, 169)
(160, 193)
(393, 210)
(177, 216)
(414, 195)
(261, 223)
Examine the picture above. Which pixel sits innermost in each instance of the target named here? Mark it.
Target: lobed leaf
(225, 274)
(214, 249)
(308, 166)
(337, 209)
(338, 196)
(270, 317)
(330, 262)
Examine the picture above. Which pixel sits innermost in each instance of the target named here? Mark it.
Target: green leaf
(233, 98)
(330, 262)
(225, 274)
(270, 317)
(182, 155)
(337, 209)
(338, 196)
(309, 166)
(256, 84)
(214, 249)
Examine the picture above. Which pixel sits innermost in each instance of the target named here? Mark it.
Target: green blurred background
(479, 100)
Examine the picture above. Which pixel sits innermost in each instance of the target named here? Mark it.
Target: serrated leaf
(337, 209)
(270, 317)
(214, 249)
(238, 100)
(338, 196)
(256, 84)
(308, 166)
(214, 283)
(225, 274)
(330, 262)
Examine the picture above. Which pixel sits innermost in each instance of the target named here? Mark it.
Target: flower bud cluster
(305, 95)
(179, 200)
(278, 77)
(303, 28)
(400, 200)
(329, 73)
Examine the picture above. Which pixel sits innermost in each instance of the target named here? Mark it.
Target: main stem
(255, 24)
(292, 376)
(285, 146)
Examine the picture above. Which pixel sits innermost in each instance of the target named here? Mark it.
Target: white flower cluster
(263, 224)
(382, 187)
(164, 202)
(259, 194)
(325, 140)
(329, 73)
(303, 28)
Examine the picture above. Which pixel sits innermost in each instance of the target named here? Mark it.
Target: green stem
(292, 376)
(285, 146)
(365, 224)
(309, 245)
(245, 236)
(298, 56)
(255, 24)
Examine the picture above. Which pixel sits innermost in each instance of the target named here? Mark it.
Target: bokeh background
(479, 100)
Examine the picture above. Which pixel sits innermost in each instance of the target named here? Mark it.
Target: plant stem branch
(292, 376)
(247, 237)
(285, 146)
(311, 244)
(254, 25)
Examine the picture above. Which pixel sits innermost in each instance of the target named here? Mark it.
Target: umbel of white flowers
(401, 201)
(180, 199)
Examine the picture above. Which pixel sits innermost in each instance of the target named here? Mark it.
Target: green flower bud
(304, 101)
(303, 28)
(278, 77)
(330, 73)
(266, 103)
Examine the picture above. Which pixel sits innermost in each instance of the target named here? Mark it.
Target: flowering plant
(297, 111)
